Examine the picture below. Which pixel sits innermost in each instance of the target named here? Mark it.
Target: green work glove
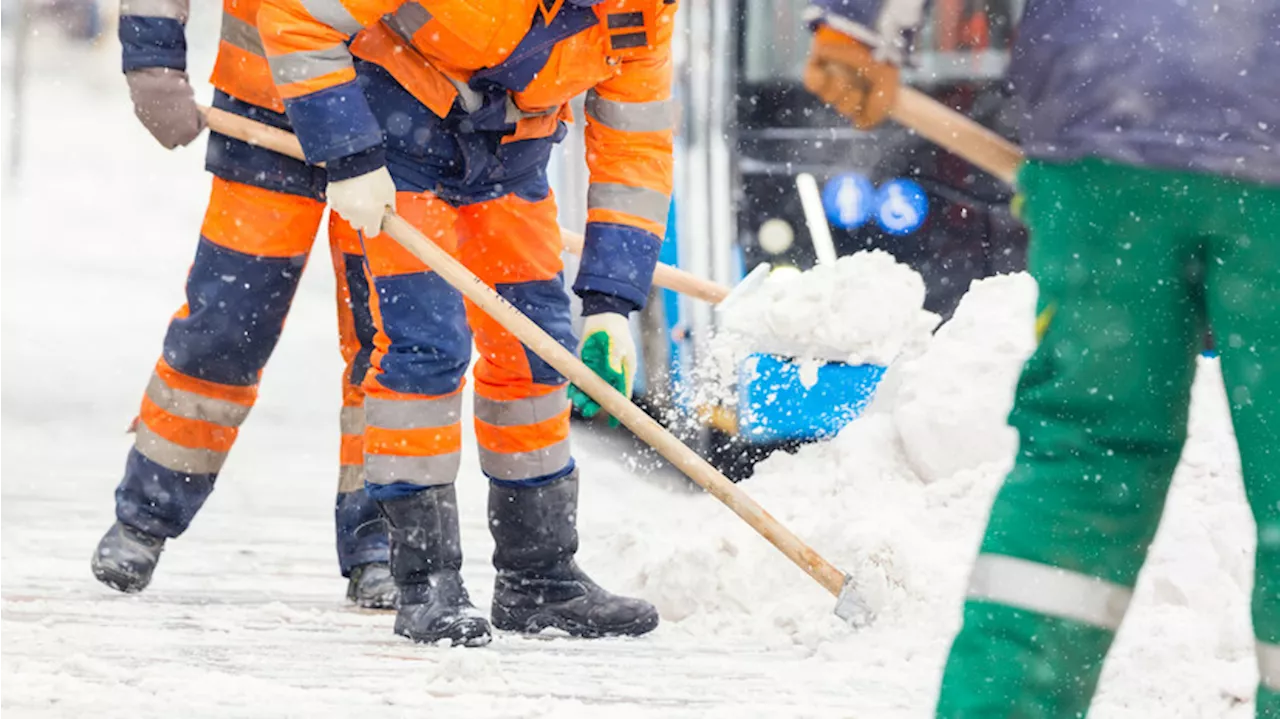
(608, 349)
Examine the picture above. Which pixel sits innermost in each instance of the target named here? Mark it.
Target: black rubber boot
(426, 554)
(371, 586)
(539, 585)
(126, 557)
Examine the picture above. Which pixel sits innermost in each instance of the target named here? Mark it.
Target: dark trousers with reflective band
(423, 347)
(254, 245)
(1133, 265)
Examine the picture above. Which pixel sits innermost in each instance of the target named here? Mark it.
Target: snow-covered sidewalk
(246, 615)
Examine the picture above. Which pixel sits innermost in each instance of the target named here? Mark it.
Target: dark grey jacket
(1176, 84)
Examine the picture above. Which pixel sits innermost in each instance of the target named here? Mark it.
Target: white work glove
(609, 350)
(364, 199)
(164, 102)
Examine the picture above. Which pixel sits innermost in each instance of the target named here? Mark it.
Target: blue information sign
(848, 199)
(901, 206)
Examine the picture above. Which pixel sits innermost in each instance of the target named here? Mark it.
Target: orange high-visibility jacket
(544, 53)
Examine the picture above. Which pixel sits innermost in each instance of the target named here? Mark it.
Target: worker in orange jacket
(447, 111)
(263, 216)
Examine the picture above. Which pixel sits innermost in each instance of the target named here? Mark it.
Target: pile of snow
(899, 500)
(951, 404)
(866, 308)
(859, 498)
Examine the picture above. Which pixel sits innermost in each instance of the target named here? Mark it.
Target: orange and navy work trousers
(413, 438)
(254, 244)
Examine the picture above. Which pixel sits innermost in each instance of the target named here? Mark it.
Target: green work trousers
(1134, 265)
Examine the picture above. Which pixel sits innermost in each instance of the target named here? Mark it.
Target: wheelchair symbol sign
(901, 206)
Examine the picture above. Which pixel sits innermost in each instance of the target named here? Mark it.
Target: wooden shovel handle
(253, 132)
(955, 132)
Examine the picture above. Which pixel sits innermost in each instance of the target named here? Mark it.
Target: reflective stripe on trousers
(1269, 665)
(413, 440)
(1047, 590)
(351, 472)
(523, 438)
(185, 430)
(352, 420)
(173, 456)
(350, 478)
(191, 405)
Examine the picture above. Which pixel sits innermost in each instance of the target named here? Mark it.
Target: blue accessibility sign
(848, 200)
(901, 206)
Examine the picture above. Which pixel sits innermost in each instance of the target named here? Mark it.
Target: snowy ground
(246, 618)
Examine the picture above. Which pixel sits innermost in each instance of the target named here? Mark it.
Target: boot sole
(120, 582)
(359, 594)
(466, 632)
(539, 621)
(383, 601)
(374, 604)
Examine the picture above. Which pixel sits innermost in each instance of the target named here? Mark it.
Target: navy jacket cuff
(152, 42)
(363, 162)
(598, 303)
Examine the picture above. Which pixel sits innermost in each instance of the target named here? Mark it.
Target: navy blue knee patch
(427, 324)
(547, 304)
(238, 304)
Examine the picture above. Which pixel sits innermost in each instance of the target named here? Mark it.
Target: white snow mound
(952, 403)
(860, 501)
(866, 308)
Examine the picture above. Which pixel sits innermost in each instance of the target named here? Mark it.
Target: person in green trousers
(1152, 195)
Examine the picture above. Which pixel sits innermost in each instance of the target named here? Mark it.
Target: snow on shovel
(850, 605)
